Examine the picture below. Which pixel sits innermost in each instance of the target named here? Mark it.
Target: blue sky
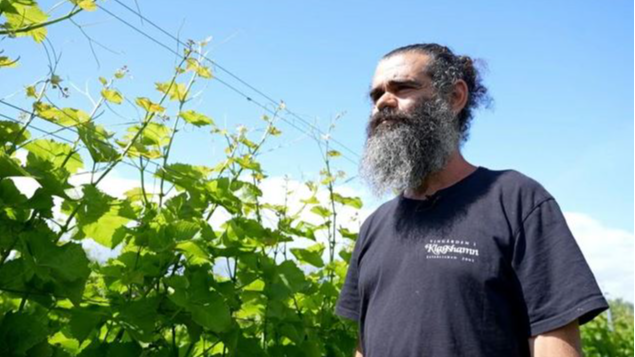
(559, 72)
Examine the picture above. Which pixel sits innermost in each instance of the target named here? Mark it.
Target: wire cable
(231, 74)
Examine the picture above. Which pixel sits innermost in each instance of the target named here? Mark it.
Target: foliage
(26, 18)
(611, 333)
(160, 296)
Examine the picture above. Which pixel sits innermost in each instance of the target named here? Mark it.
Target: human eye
(375, 95)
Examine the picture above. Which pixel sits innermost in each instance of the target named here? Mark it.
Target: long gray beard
(401, 155)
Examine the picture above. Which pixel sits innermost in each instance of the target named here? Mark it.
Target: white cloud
(609, 253)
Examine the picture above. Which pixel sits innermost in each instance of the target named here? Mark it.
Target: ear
(458, 97)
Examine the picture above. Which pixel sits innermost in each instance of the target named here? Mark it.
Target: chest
(459, 256)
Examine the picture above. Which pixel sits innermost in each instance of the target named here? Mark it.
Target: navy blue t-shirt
(474, 270)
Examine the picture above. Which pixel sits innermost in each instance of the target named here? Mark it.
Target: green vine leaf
(22, 14)
(354, 202)
(195, 118)
(149, 106)
(88, 5)
(8, 62)
(11, 132)
(175, 91)
(100, 216)
(311, 255)
(112, 96)
(56, 153)
(96, 138)
(21, 331)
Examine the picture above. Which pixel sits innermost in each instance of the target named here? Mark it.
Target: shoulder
(515, 186)
(378, 216)
(382, 211)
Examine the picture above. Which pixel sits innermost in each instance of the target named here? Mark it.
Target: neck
(454, 171)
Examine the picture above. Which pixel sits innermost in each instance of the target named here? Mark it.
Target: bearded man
(464, 261)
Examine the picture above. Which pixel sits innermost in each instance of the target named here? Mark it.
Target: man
(465, 261)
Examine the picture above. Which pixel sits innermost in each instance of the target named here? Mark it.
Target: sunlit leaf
(194, 253)
(8, 62)
(112, 96)
(100, 216)
(96, 138)
(149, 106)
(354, 202)
(311, 255)
(25, 14)
(88, 5)
(57, 153)
(321, 211)
(175, 91)
(196, 66)
(195, 118)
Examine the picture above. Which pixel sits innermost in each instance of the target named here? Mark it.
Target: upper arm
(555, 281)
(358, 350)
(561, 342)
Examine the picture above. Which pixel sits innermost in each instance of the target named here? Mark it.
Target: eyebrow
(392, 83)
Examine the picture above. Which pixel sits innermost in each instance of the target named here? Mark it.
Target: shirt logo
(452, 249)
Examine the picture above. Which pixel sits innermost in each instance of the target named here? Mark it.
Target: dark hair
(444, 70)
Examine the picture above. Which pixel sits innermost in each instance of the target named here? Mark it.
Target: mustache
(387, 115)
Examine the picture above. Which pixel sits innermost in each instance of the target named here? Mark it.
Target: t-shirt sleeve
(349, 302)
(557, 284)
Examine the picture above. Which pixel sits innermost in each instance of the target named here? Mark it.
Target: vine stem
(31, 117)
(251, 152)
(333, 234)
(174, 131)
(72, 13)
(142, 170)
(146, 122)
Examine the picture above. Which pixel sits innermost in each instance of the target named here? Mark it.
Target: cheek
(406, 105)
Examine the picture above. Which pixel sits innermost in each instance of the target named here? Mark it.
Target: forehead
(410, 65)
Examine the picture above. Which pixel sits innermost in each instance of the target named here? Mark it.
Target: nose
(387, 100)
